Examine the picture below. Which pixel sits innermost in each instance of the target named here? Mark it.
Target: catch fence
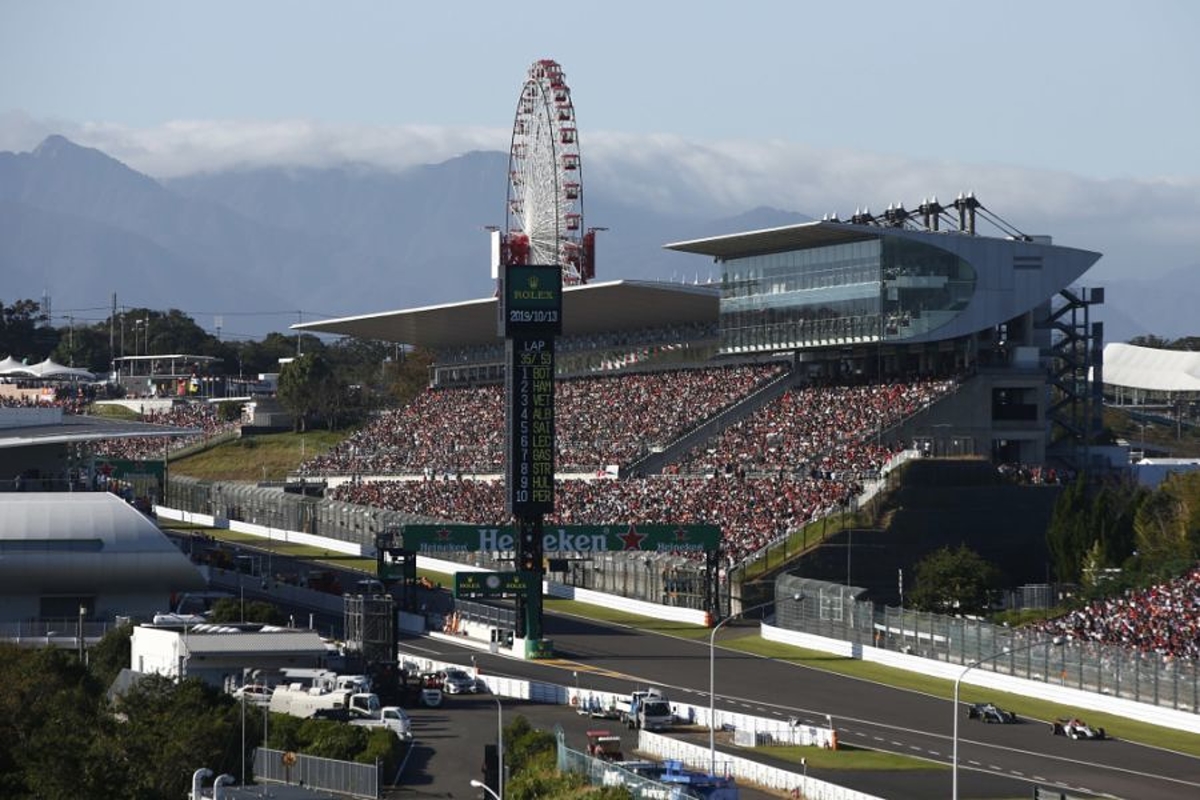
(833, 611)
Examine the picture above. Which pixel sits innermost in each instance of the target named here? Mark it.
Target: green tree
(24, 332)
(1068, 537)
(1111, 520)
(172, 728)
(49, 712)
(305, 388)
(1161, 530)
(950, 581)
(111, 654)
(230, 609)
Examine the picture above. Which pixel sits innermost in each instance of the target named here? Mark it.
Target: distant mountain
(1163, 306)
(79, 226)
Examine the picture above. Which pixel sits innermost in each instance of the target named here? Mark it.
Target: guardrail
(343, 777)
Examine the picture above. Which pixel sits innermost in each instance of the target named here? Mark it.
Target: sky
(1042, 105)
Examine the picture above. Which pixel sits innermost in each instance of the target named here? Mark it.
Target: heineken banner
(433, 539)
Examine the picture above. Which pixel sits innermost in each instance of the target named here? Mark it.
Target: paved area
(449, 743)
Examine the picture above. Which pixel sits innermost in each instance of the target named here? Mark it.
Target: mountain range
(255, 249)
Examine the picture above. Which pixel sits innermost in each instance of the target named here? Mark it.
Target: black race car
(990, 712)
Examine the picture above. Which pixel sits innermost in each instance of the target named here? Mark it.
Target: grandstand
(761, 402)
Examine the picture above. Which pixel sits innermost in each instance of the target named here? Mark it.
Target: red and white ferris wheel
(544, 209)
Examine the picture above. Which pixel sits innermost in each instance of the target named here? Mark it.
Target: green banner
(582, 539)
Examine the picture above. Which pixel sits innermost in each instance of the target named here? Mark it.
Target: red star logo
(443, 534)
(681, 535)
(632, 539)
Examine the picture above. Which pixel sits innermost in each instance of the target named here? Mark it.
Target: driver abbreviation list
(534, 385)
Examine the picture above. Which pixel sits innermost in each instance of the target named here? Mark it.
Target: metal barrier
(831, 611)
(328, 774)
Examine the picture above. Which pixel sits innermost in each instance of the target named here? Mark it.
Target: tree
(229, 609)
(1161, 530)
(111, 654)
(954, 582)
(304, 387)
(1067, 536)
(24, 332)
(49, 712)
(170, 728)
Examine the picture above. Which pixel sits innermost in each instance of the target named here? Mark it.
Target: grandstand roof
(1151, 369)
(588, 309)
(774, 240)
(69, 428)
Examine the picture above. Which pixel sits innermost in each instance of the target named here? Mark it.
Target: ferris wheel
(544, 209)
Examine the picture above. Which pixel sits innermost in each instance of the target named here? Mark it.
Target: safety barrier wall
(997, 681)
(267, 532)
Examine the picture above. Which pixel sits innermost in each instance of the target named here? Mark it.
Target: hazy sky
(1098, 88)
(1074, 118)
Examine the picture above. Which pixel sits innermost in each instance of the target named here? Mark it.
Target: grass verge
(847, 757)
(270, 456)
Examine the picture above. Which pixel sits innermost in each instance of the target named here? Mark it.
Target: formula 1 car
(1075, 728)
(990, 712)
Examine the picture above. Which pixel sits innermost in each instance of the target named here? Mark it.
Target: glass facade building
(873, 289)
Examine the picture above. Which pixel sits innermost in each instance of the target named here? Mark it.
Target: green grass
(847, 757)
(114, 412)
(259, 457)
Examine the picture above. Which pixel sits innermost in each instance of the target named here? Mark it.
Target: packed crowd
(826, 429)
(599, 421)
(1163, 619)
(793, 461)
(203, 416)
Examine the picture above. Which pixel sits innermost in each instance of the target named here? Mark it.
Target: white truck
(393, 718)
(299, 700)
(648, 709)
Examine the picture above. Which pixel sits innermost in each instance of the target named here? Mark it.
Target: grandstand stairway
(653, 463)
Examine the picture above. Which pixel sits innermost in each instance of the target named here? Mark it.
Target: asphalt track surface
(995, 761)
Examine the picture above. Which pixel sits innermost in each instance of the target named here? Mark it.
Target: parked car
(990, 712)
(258, 694)
(1075, 728)
(431, 689)
(457, 681)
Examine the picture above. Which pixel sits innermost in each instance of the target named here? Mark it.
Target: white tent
(50, 370)
(10, 367)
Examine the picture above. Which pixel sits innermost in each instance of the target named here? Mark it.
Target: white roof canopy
(1151, 369)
